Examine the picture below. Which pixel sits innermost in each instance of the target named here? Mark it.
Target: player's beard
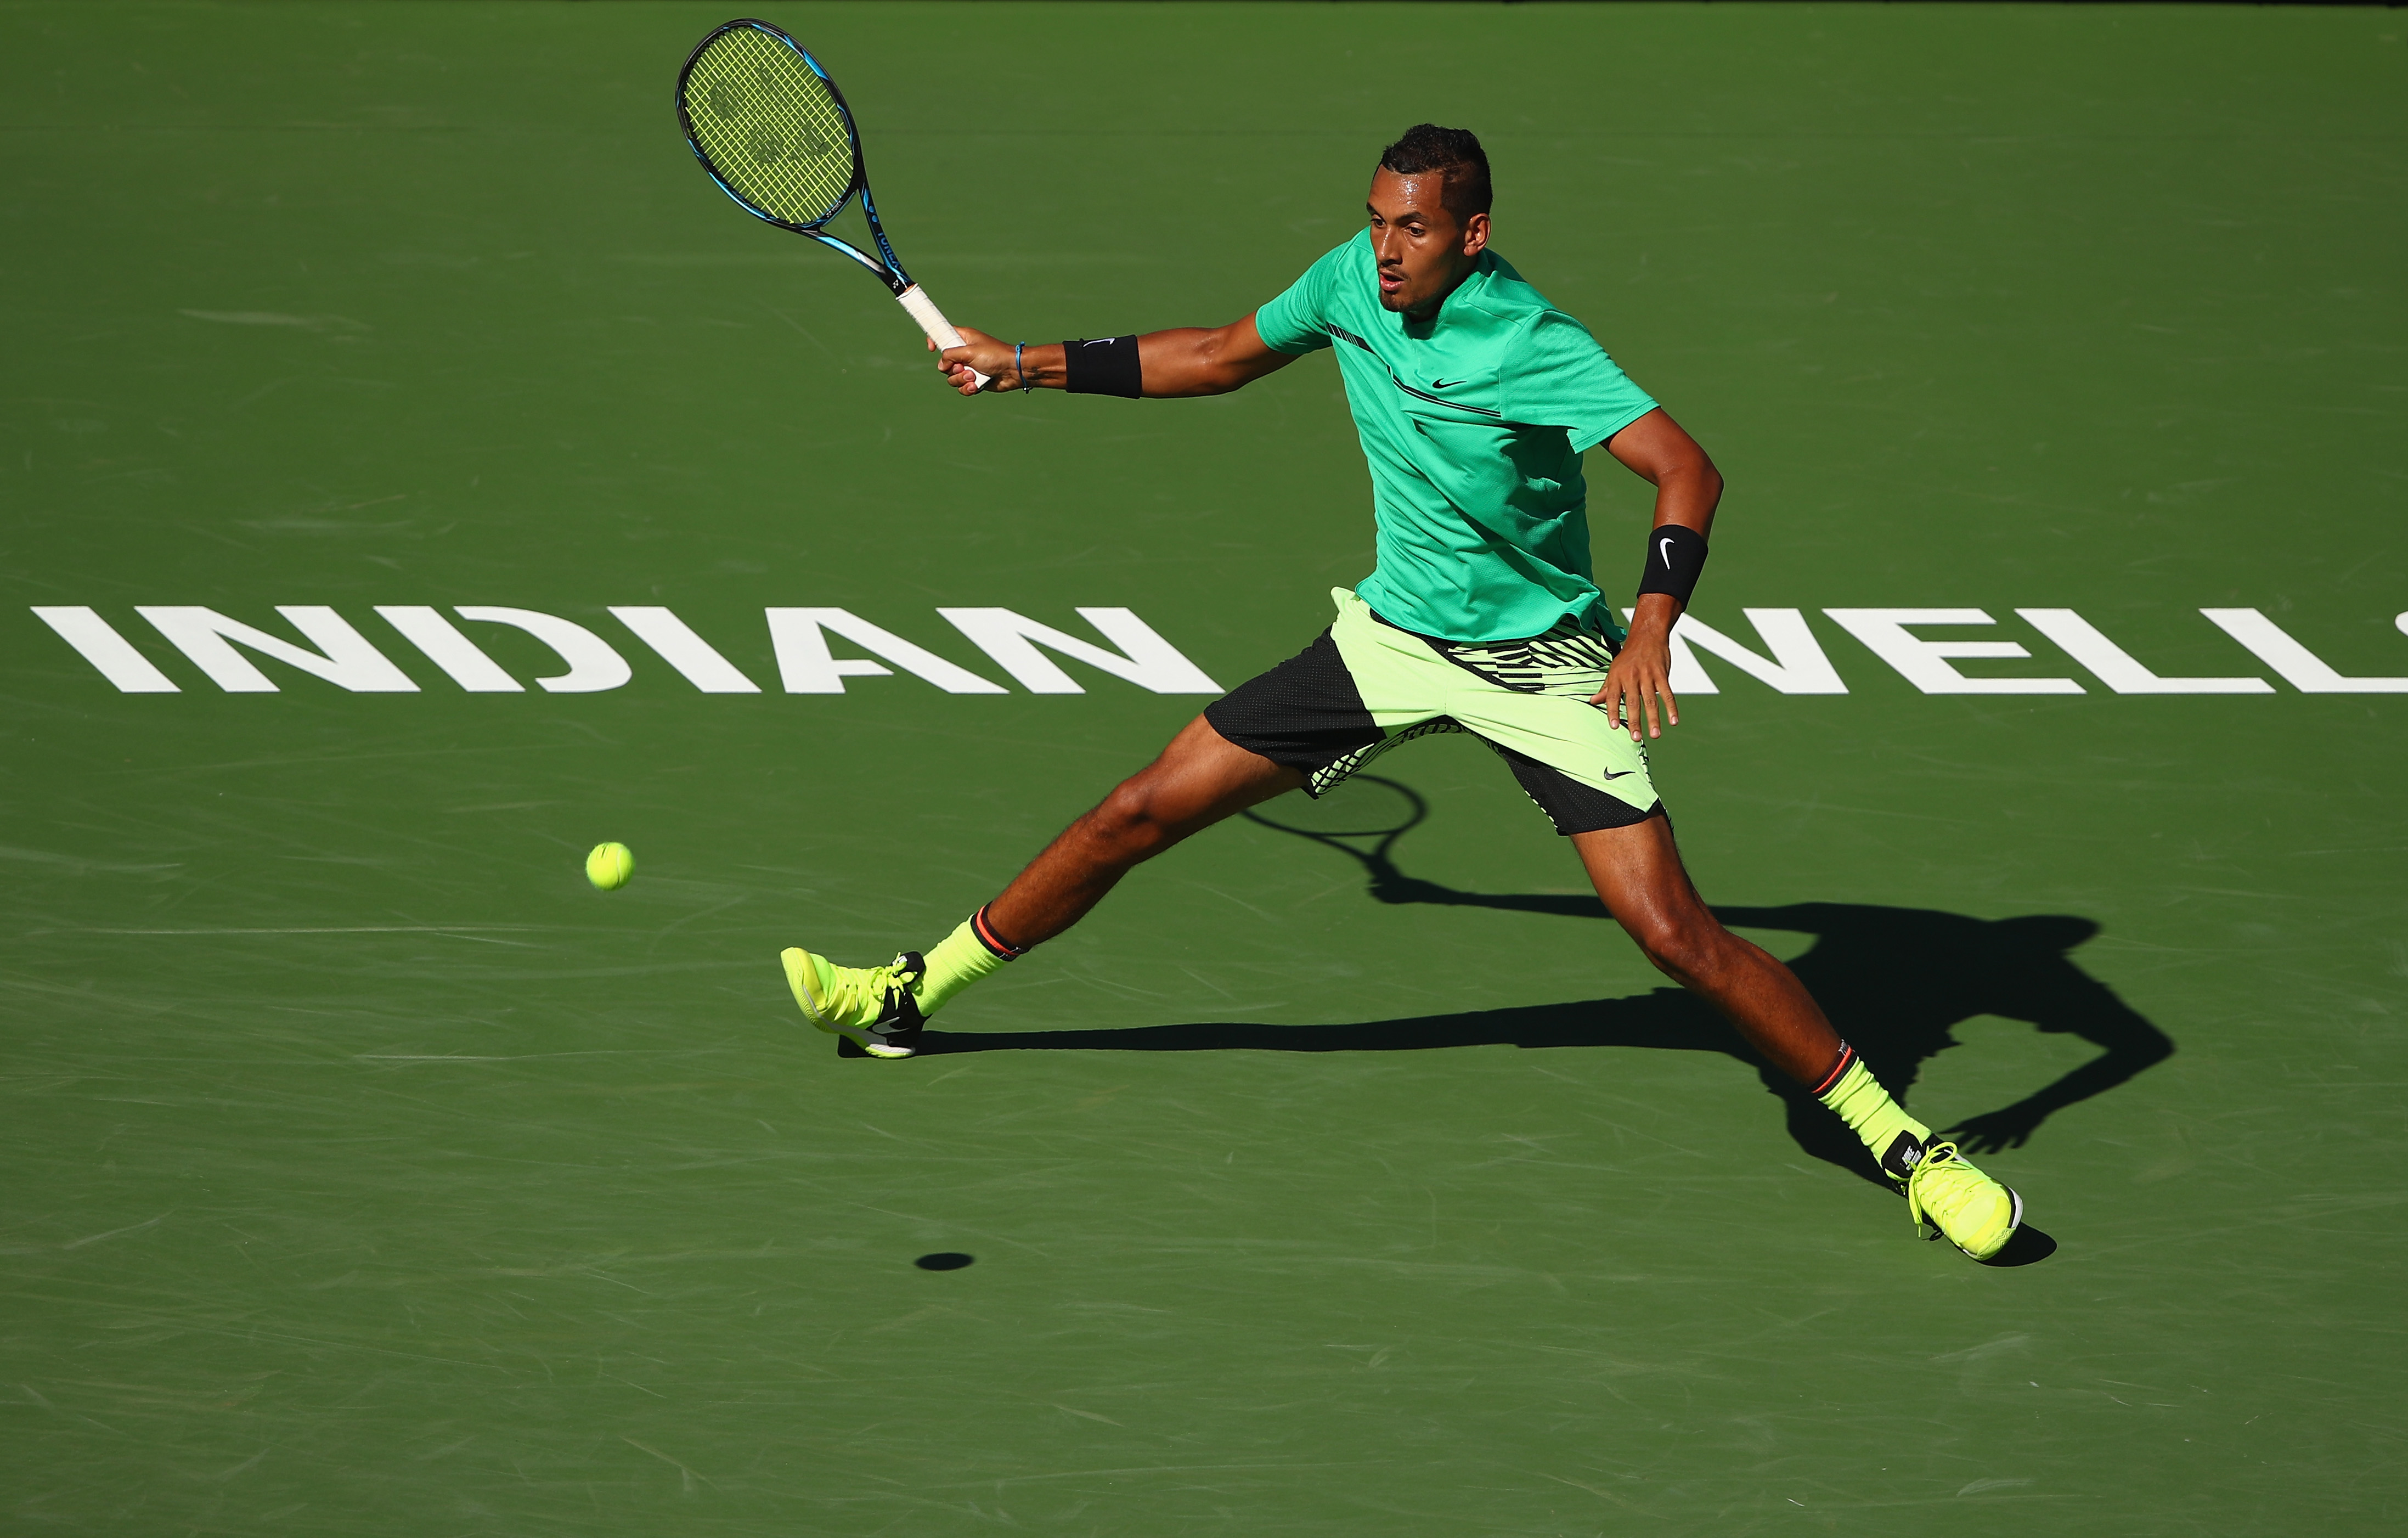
(1423, 308)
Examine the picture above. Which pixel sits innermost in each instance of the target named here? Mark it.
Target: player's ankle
(973, 951)
(1857, 1098)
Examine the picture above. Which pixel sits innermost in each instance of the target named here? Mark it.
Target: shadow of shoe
(2028, 1246)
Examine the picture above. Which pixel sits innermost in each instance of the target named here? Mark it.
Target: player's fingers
(1608, 697)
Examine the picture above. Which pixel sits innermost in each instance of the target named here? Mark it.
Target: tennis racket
(772, 128)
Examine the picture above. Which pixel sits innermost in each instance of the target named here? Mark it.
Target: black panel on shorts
(1305, 713)
(1573, 807)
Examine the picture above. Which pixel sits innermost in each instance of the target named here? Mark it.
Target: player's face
(1422, 250)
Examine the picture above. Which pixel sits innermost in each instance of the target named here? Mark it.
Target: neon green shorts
(1365, 686)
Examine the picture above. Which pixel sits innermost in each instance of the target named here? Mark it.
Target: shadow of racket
(1363, 818)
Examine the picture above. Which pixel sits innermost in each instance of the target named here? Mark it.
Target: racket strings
(770, 127)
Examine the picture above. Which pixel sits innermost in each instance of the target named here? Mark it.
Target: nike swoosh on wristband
(1664, 552)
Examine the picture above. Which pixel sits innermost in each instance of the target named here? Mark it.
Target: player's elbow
(1697, 467)
(1228, 358)
(1217, 373)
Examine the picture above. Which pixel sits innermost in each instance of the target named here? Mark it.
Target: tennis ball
(610, 866)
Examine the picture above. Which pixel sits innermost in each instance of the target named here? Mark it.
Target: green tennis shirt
(1474, 422)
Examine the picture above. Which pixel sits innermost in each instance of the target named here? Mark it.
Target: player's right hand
(980, 353)
(1640, 680)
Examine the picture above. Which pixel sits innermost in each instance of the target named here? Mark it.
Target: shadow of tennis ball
(943, 1261)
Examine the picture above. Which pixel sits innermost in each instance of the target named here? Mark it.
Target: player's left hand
(1640, 680)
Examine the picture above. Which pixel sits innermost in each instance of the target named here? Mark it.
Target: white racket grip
(932, 321)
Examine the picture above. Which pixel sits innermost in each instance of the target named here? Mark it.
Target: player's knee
(1130, 822)
(1679, 945)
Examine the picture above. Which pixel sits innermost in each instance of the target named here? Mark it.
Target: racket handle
(932, 321)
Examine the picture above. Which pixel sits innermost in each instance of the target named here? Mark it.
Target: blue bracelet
(1017, 372)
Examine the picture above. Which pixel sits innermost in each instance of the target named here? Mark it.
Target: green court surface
(369, 1172)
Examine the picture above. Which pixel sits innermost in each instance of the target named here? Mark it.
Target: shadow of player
(1896, 982)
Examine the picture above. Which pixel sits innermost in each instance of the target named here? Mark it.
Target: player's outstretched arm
(1687, 487)
(1187, 361)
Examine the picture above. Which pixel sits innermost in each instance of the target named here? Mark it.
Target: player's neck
(1428, 309)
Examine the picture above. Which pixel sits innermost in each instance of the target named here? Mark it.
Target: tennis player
(1475, 399)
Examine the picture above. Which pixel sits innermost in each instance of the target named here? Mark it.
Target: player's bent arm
(1687, 486)
(1687, 490)
(1183, 361)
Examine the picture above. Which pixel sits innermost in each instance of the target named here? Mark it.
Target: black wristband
(1105, 366)
(1675, 555)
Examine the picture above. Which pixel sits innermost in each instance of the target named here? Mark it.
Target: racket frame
(886, 265)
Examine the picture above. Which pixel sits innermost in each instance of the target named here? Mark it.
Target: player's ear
(1475, 234)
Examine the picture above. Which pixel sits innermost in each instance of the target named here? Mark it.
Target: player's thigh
(1639, 876)
(1201, 778)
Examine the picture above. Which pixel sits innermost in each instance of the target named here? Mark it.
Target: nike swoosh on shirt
(1610, 774)
(1444, 385)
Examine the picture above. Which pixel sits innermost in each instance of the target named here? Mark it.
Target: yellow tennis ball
(610, 866)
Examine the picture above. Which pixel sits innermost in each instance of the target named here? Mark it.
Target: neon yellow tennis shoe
(1947, 1197)
(872, 1007)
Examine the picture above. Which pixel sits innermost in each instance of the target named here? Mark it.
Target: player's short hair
(1455, 153)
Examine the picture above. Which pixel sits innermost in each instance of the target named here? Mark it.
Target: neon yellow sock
(958, 960)
(1861, 1102)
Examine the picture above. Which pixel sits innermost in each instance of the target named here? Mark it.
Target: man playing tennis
(1475, 399)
